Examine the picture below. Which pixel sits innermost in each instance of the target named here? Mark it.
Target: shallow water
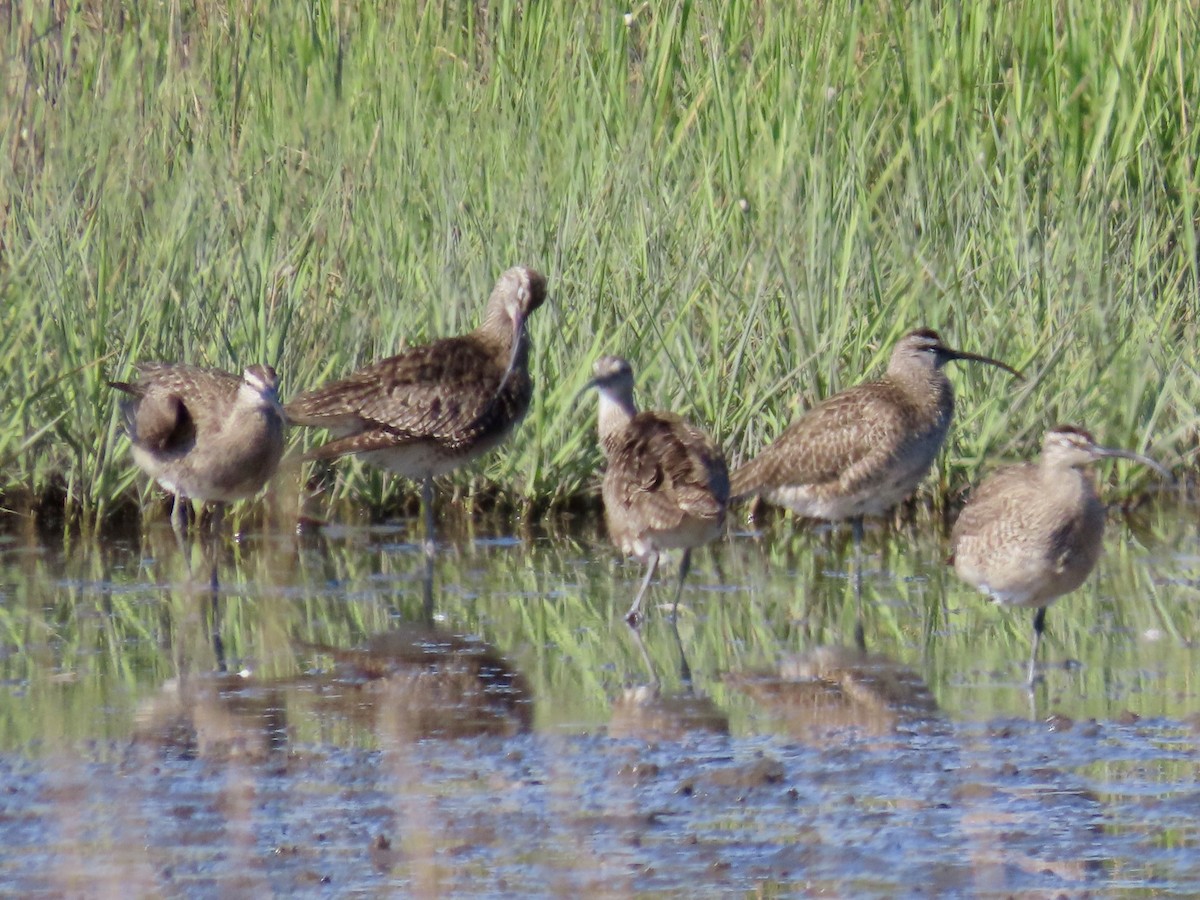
(308, 730)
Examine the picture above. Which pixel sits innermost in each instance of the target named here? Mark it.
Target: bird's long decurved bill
(976, 357)
(517, 334)
(1135, 457)
(593, 383)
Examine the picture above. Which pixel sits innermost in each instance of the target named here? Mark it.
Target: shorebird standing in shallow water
(865, 449)
(1032, 532)
(666, 485)
(433, 408)
(204, 434)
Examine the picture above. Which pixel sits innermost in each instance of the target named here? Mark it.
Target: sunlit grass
(752, 203)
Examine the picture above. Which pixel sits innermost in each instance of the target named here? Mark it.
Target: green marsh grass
(750, 201)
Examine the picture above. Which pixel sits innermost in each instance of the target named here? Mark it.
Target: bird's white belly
(417, 460)
(1010, 597)
(873, 500)
(694, 533)
(1012, 580)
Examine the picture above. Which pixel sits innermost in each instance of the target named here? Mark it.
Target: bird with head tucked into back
(202, 433)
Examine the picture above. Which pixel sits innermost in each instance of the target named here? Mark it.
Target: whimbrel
(202, 433)
(1032, 532)
(666, 486)
(865, 449)
(433, 408)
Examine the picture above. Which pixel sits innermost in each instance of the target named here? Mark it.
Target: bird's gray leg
(427, 509)
(179, 518)
(860, 638)
(634, 614)
(685, 671)
(428, 546)
(685, 566)
(1039, 626)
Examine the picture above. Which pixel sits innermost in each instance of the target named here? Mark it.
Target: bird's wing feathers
(999, 515)
(160, 421)
(848, 430)
(664, 469)
(444, 391)
(169, 402)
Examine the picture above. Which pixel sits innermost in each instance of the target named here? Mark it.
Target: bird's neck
(496, 332)
(927, 389)
(1062, 480)
(252, 399)
(615, 415)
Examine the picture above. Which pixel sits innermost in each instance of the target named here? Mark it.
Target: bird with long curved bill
(1032, 532)
(862, 451)
(435, 407)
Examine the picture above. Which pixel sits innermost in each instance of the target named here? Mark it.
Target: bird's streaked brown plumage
(432, 408)
(203, 433)
(666, 485)
(663, 475)
(862, 451)
(1032, 532)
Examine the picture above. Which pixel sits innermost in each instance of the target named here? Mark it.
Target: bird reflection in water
(214, 716)
(221, 714)
(408, 684)
(418, 682)
(645, 711)
(835, 687)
